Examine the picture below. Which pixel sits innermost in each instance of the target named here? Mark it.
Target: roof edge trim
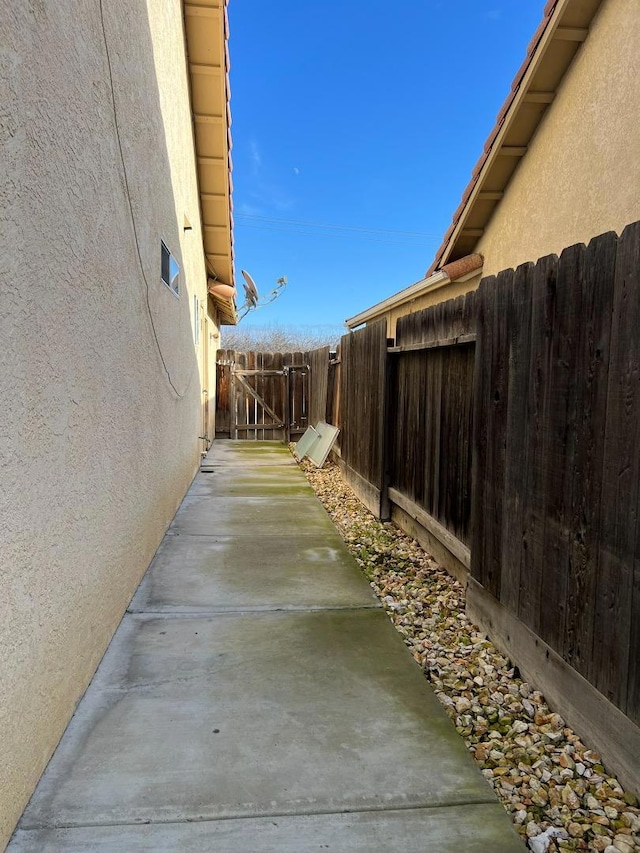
(456, 271)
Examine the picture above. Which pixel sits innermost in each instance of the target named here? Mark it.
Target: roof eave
(403, 296)
(226, 310)
(206, 33)
(458, 271)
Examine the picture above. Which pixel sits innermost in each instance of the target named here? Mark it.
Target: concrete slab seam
(426, 807)
(259, 608)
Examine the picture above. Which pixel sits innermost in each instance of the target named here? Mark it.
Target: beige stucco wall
(166, 27)
(581, 174)
(96, 446)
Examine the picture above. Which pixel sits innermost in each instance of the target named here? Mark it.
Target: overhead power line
(318, 229)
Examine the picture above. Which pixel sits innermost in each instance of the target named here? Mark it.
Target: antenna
(252, 298)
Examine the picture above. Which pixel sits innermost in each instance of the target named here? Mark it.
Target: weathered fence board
(593, 347)
(534, 496)
(517, 445)
(560, 444)
(363, 397)
(617, 595)
(319, 369)
(495, 359)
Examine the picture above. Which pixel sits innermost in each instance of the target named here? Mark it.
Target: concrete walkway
(256, 698)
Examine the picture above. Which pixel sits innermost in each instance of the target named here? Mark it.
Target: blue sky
(356, 124)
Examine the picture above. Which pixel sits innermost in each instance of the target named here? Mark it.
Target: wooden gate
(261, 396)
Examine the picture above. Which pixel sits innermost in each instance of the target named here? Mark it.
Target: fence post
(388, 433)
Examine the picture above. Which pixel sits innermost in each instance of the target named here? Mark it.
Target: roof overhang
(461, 270)
(207, 33)
(564, 27)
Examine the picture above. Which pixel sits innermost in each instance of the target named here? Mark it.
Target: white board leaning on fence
(308, 440)
(316, 443)
(319, 452)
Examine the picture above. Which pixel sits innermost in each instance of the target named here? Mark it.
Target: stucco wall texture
(101, 382)
(581, 174)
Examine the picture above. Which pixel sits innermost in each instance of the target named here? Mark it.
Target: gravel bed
(556, 790)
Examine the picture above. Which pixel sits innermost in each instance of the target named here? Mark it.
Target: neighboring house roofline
(459, 270)
(207, 34)
(550, 52)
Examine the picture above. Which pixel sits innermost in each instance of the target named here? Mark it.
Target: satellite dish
(250, 290)
(252, 298)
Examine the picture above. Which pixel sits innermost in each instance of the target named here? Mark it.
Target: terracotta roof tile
(477, 168)
(466, 194)
(458, 210)
(449, 231)
(493, 134)
(456, 269)
(515, 85)
(535, 40)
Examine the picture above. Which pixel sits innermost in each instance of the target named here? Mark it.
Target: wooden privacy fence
(557, 453)
(318, 366)
(261, 395)
(505, 426)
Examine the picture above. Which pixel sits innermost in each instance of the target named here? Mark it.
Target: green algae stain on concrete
(254, 487)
